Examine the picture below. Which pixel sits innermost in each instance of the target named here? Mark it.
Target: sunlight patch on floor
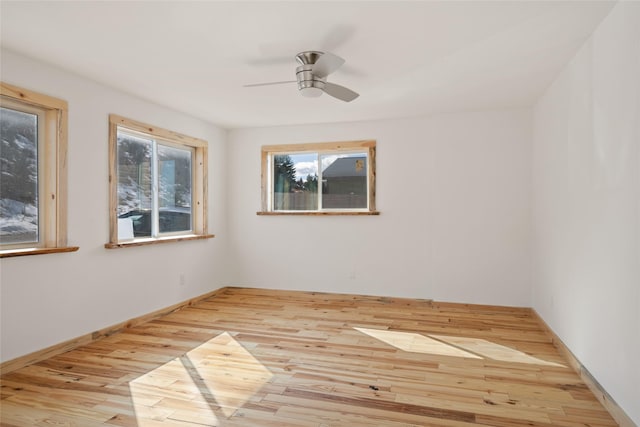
(494, 351)
(212, 380)
(444, 345)
(416, 343)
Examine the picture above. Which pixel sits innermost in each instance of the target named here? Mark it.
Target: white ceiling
(404, 58)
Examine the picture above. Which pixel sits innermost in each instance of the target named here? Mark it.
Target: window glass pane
(295, 182)
(135, 197)
(174, 189)
(344, 181)
(18, 177)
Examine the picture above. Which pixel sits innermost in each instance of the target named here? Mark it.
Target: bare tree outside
(173, 169)
(18, 177)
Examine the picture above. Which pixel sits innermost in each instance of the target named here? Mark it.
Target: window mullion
(155, 216)
(319, 189)
(45, 213)
(268, 171)
(367, 182)
(50, 182)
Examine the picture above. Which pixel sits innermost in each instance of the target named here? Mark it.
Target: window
(33, 175)
(158, 185)
(326, 178)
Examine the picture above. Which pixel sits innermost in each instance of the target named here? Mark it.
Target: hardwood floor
(248, 357)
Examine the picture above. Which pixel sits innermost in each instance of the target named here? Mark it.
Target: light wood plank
(260, 357)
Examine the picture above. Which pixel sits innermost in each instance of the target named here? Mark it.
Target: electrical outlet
(183, 280)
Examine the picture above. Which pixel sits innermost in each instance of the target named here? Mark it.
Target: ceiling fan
(312, 73)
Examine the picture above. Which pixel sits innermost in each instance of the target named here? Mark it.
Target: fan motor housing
(308, 57)
(309, 84)
(306, 78)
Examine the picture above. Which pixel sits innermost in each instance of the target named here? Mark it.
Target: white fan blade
(326, 65)
(337, 36)
(340, 92)
(270, 83)
(262, 62)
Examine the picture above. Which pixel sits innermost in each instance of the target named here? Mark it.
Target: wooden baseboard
(618, 414)
(37, 356)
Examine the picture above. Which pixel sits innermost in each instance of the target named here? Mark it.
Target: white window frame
(52, 170)
(367, 147)
(198, 148)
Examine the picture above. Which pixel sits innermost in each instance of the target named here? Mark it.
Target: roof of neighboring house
(346, 166)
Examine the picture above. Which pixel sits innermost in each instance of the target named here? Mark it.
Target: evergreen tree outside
(292, 192)
(284, 172)
(311, 183)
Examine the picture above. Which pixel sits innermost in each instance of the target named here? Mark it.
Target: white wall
(454, 195)
(47, 299)
(586, 184)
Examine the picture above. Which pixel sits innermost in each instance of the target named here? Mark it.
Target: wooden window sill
(318, 213)
(151, 241)
(36, 251)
